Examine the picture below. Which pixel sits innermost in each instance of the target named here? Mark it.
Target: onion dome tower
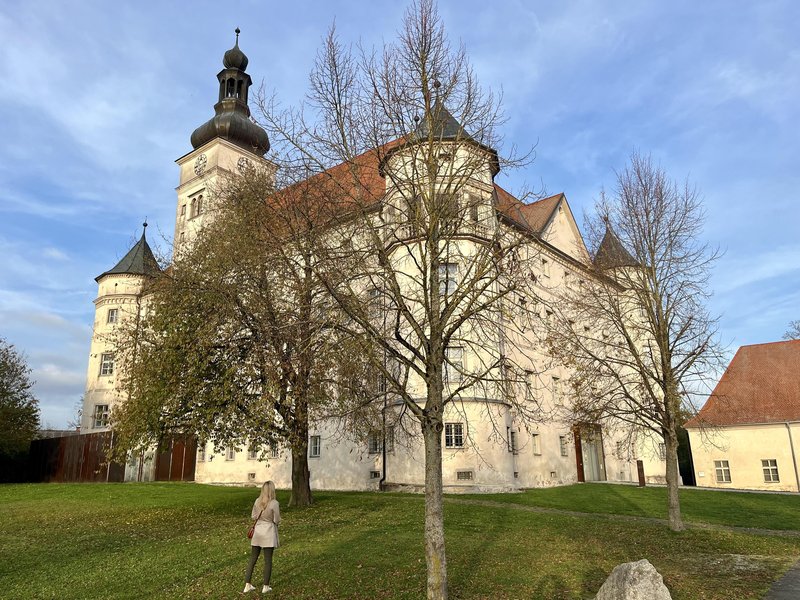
(232, 120)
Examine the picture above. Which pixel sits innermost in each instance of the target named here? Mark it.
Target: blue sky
(98, 99)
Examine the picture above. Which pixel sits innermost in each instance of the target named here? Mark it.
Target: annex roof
(761, 385)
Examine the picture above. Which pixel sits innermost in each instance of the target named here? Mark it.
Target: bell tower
(229, 142)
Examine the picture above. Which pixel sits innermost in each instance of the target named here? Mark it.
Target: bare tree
(651, 341)
(399, 148)
(793, 333)
(235, 342)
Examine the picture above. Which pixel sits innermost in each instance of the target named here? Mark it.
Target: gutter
(794, 457)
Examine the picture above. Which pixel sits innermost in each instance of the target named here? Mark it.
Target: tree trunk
(671, 443)
(301, 480)
(434, 514)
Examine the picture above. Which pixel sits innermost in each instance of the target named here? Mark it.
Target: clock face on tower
(200, 165)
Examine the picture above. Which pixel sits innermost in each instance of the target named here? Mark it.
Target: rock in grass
(634, 581)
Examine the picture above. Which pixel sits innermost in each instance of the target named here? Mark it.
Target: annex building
(486, 446)
(747, 435)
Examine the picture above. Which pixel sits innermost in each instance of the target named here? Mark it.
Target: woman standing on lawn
(267, 515)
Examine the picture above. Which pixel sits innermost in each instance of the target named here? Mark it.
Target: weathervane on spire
(238, 31)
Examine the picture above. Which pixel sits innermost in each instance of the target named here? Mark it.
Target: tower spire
(232, 115)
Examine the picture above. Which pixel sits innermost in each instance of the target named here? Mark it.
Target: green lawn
(188, 541)
(768, 511)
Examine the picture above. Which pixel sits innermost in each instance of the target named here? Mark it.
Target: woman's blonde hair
(267, 494)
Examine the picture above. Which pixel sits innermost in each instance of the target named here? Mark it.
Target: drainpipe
(794, 458)
(383, 448)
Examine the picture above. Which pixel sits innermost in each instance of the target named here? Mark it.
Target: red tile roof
(359, 184)
(761, 385)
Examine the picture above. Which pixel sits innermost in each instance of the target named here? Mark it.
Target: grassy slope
(768, 511)
(184, 540)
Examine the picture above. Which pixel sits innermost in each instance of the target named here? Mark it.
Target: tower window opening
(239, 89)
(230, 89)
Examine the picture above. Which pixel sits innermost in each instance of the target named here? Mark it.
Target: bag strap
(258, 517)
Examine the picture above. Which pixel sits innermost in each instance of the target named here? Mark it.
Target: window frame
(230, 453)
(112, 316)
(314, 446)
(563, 445)
(454, 364)
(448, 278)
(106, 364)
(374, 442)
(100, 416)
(536, 444)
(721, 468)
(454, 434)
(770, 471)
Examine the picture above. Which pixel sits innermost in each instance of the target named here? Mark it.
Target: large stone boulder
(634, 581)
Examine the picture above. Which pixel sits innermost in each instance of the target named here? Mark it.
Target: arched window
(230, 90)
(193, 209)
(239, 89)
(199, 205)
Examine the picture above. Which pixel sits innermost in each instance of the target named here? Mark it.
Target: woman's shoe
(266, 589)
(248, 588)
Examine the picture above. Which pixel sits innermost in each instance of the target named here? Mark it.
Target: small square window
(107, 363)
(464, 475)
(101, 415)
(562, 444)
(374, 474)
(454, 435)
(770, 468)
(723, 471)
(315, 446)
(113, 315)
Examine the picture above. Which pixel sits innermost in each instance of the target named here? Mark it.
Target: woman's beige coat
(266, 534)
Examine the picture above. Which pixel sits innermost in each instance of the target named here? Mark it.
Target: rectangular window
(662, 452)
(315, 446)
(273, 450)
(183, 210)
(107, 363)
(201, 453)
(770, 468)
(545, 268)
(536, 444)
(230, 453)
(723, 471)
(454, 364)
(101, 415)
(390, 438)
(473, 204)
(113, 314)
(374, 445)
(513, 441)
(374, 474)
(252, 454)
(555, 389)
(464, 475)
(447, 278)
(562, 443)
(454, 435)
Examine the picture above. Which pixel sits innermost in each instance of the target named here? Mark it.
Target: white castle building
(475, 457)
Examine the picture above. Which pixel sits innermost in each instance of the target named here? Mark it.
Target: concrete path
(787, 587)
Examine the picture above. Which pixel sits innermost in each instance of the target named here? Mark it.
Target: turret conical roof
(612, 254)
(138, 261)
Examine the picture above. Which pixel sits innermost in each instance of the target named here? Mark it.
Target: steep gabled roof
(533, 216)
(761, 385)
(138, 261)
(612, 254)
